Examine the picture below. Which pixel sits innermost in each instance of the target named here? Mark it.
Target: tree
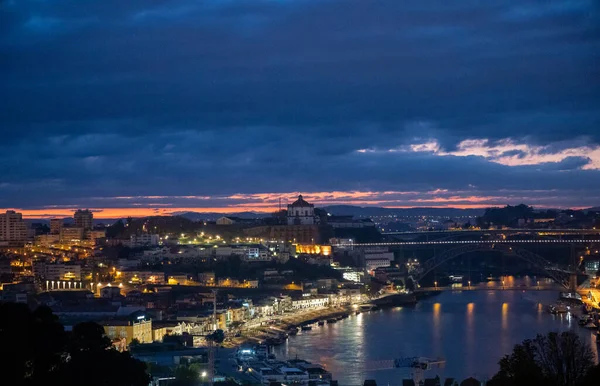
(555, 359)
(36, 342)
(41, 353)
(185, 376)
(218, 336)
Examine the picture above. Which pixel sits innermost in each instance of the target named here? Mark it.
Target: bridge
(500, 287)
(567, 279)
(567, 231)
(462, 242)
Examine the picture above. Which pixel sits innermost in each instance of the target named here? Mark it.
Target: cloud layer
(229, 104)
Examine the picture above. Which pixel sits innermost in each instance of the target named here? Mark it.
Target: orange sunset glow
(142, 206)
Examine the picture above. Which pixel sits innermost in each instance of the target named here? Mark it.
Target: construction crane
(211, 344)
(418, 365)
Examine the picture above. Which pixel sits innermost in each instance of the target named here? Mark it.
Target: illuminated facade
(139, 328)
(313, 249)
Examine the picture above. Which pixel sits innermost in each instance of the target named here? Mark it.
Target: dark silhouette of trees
(555, 359)
(218, 336)
(40, 352)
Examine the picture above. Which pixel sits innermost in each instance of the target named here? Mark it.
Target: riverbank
(255, 334)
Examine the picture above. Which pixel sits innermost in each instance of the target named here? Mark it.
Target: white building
(300, 212)
(376, 260)
(310, 302)
(12, 227)
(143, 240)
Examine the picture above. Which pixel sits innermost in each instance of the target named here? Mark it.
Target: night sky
(143, 106)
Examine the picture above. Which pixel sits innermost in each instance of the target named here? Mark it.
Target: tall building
(56, 225)
(12, 227)
(300, 212)
(83, 219)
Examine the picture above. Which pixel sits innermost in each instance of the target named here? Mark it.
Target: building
(349, 222)
(303, 234)
(69, 234)
(46, 240)
(144, 239)
(313, 249)
(300, 212)
(129, 328)
(83, 219)
(351, 274)
(592, 266)
(95, 234)
(310, 302)
(56, 225)
(12, 228)
(378, 259)
(58, 271)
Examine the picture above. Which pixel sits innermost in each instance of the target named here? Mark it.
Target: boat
(332, 320)
(456, 278)
(591, 325)
(292, 331)
(306, 328)
(357, 313)
(558, 308)
(344, 316)
(321, 322)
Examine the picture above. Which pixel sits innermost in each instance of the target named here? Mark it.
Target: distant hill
(370, 211)
(197, 216)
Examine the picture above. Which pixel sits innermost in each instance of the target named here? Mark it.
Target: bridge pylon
(573, 282)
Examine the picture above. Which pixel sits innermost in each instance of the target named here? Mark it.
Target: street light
(469, 284)
(435, 284)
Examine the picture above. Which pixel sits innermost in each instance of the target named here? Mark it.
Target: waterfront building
(13, 229)
(310, 302)
(300, 212)
(83, 219)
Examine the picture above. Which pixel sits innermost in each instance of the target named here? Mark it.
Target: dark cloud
(137, 98)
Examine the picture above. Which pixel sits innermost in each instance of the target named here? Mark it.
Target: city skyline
(227, 106)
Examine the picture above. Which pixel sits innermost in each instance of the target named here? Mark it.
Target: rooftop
(300, 203)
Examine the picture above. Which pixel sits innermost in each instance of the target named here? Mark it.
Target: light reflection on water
(472, 330)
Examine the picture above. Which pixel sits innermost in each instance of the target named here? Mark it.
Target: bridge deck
(458, 242)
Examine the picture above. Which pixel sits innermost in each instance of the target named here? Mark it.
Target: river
(472, 330)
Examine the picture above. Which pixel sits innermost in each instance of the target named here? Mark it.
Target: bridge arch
(561, 277)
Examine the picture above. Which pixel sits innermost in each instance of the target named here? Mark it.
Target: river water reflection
(472, 330)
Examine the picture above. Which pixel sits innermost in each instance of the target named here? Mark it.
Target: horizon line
(150, 211)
